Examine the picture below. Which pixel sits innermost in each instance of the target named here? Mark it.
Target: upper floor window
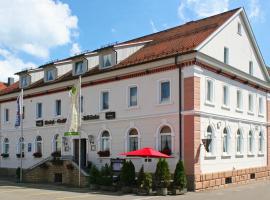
(226, 55)
(225, 96)
(250, 71)
(38, 144)
(50, 74)
(79, 68)
(39, 110)
(239, 142)
(6, 146)
(250, 142)
(250, 103)
(209, 91)
(260, 144)
(6, 115)
(133, 96)
(25, 81)
(58, 107)
(133, 140)
(261, 107)
(105, 141)
(239, 28)
(209, 136)
(165, 91)
(225, 140)
(104, 100)
(239, 100)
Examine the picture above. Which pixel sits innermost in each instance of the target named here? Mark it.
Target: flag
(73, 116)
(18, 110)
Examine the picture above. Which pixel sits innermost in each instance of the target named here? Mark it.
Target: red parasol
(146, 152)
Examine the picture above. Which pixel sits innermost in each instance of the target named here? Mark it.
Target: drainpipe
(180, 106)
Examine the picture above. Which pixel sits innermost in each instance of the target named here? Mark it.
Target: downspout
(180, 106)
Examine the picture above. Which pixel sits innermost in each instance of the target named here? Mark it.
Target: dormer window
(107, 60)
(25, 81)
(50, 75)
(79, 68)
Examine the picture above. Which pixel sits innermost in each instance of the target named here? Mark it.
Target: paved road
(10, 191)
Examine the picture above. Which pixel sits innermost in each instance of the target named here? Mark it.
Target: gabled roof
(2, 86)
(178, 40)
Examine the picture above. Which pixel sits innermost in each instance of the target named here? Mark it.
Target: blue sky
(45, 30)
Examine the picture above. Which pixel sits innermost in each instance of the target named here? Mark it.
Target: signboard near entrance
(67, 134)
(110, 115)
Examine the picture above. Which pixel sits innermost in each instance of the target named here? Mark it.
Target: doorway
(83, 152)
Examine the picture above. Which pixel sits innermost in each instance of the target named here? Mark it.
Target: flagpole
(21, 142)
(79, 129)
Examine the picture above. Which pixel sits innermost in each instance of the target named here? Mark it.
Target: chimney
(10, 81)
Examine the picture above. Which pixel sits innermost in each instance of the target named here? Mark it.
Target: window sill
(238, 110)
(133, 107)
(250, 155)
(225, 107)
(239, 156)
(166, 103)
(225, 156)
(208, 103)
(250, 113)
(104, 111)
(261, 115)
(260, 154)
(209, 157)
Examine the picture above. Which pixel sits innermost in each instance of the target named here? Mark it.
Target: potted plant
(127, 176)
(5, 155)
(18, 155)
(104, 153)
(147, 183)
(162, 177)
(37, 155)
(179, 179)
(94, 176)
(106, 178)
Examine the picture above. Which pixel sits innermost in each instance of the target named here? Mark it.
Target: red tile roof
(2, 86)
(178, 40)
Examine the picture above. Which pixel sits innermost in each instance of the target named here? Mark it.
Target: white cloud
(153, 26)
(9, 64)
(34, 27)
(113, 30)
(75, 49)
(254, 10)
(201, 8)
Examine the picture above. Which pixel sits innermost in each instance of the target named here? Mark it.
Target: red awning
(146, 152)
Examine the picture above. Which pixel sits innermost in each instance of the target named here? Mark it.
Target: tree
(106, 175)
(141, 177)
(179, 179)
(94, 175)
(162, 174)
(127, 174)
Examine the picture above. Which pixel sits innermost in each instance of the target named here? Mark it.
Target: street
(12, 191)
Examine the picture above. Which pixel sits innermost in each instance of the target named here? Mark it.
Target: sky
(34, 32)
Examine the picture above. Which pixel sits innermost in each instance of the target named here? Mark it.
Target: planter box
(108, 188)
(162, 191)
(5, 155)
(142, 191)
(179, 191)
(126, 189)
(94, 187)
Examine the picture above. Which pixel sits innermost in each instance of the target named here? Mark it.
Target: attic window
(107, 60)
(25, 81)
(239, 28)
(79, 68)
(50, 75)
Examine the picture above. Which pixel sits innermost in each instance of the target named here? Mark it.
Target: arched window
(225, 141)
(38, 144)
(21, 145)
(250, 142)
(6, 146)
(105, 141)
(166, 140)
(209, 135)
(260, 142)
(133, 140)
(57, 143)
(239, 142)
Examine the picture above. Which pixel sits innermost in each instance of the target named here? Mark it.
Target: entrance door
(83, 152)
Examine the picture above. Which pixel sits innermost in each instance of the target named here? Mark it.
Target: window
(166, 140)
(209, 91)
(225, 96)
(107, 60)
(82, 104)
(239, 142)
(105, 100)
(250, 103)
(6, 115)
(58, 108)
(250, 142)
(132, 96)
(250, 68)
(39, 110)
(79, 68)
(225, 140)
(261, 107)
(133, 140)
(260, 142)
(239, 100)
(105, 141)
(25, 81)
(57, 143)
(239, 28)
(6, 146)
(226, 55)
(38, 144)
(21, 145)
(165, 91)
(209, 135)
(50, 74)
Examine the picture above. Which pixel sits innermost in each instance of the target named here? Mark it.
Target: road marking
(74, 197)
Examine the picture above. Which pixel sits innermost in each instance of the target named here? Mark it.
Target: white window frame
(128, 96)
(250, 143)
(211, 153)
(132, 136)
(209, 102)
(101, 101)
(75, 73)
(224, 105)
(251, 103)
(166, 134)
(54, 74)
(261, 107)
(160, 102)
(239, 108)
(39, 142)
(25, 81)
(227, 152)
(55, 107)
(109, 140)
(261, 142)
(241, 138)
(39, 117)
(4, 146)
(6, 115)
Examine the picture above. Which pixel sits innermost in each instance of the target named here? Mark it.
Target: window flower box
(104, 153)
(5, 155)
(37, 155)
(167, 151)
(18, 155)
(56, 154)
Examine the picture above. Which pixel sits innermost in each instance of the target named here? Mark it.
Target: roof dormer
(25, 80)
(107, 59)
(80, 67)
(50, 74)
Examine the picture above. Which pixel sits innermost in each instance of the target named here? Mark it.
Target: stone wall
(7, 173)
(45, 173)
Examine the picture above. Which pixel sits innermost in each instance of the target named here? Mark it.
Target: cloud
(75, 49)
(254, 10)
(34, 27)
(10, 63)
(113, 30)
(153, 26)
(201, 8)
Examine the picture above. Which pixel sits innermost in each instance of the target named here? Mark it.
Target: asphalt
(14, 191)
